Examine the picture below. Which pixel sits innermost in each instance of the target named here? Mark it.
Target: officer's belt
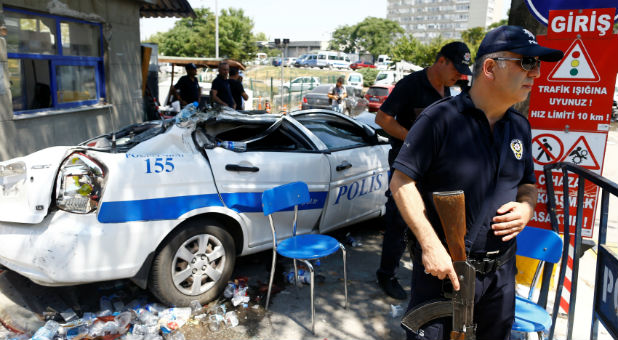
(488, 262)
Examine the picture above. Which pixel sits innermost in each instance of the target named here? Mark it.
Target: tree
(195, 37)
(373, 35)
(473, 37)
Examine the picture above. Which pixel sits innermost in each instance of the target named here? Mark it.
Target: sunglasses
(527, 63)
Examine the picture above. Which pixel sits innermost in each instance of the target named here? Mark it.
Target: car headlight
(79, 184)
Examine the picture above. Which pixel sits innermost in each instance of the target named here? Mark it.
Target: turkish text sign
(570, 105)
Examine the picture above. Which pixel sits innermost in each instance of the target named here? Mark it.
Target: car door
(281, 157)
(358, 169)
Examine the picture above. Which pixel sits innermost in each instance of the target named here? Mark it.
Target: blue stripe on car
(171, 208)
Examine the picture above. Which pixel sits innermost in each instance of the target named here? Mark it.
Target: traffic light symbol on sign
(575, 66)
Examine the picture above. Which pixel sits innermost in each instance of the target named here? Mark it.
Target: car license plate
(374, 99)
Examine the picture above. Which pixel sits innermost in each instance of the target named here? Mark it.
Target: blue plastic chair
(298, 247)
(545, 246)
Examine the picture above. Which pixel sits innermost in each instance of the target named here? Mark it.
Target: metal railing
(607, 187)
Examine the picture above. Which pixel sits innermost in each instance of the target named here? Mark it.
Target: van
(354, 79)
(332, 59)
(385, 78)
(383, 62)
(311, 60)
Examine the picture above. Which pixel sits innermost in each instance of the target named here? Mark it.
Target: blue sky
(293, 19)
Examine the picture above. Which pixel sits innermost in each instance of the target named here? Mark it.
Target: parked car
(299, 61)
(301, 83)
(354, 103)
(164, 204)
(289, 61)
(276, 62)
(376, 95)
(362, 64)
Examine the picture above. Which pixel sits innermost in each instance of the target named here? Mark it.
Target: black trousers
(394, 243)
(494, 302)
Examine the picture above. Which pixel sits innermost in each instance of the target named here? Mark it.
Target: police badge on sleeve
(517, 147)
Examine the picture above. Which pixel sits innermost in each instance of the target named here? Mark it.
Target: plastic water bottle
(188, 111)
(46, 332)
(304, 276)
(234, 146)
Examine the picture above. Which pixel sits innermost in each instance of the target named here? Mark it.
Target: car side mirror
(371, 134)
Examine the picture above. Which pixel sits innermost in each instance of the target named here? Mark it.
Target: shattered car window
(128, 136)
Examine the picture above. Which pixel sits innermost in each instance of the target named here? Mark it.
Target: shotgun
(451, 209)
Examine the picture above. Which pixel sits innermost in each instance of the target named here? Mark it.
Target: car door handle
(236, 167)
(344, 165)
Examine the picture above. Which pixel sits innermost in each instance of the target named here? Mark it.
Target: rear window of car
(355, 78)
(377, 91)
(321, 89)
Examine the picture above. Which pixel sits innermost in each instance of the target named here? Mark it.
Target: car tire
(201, 249)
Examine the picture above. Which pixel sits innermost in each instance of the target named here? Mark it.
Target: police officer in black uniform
(475, 142)
(410, 96)
(188, 86)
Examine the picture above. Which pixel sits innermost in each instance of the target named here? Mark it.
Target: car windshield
(381, 76)
(335, 132)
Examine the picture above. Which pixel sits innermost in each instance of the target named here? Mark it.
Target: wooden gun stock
(451, 208)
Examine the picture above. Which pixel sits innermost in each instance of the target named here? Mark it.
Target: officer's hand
(437, 262)
(511, 219)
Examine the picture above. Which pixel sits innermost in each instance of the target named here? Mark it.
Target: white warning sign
(585, 149)
(575, 66)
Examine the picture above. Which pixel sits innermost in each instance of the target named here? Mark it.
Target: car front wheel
(194, 264)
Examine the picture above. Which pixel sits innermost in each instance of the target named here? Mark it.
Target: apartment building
(428, 19)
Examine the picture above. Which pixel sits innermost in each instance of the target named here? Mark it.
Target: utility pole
(283, 44)
(216, 29)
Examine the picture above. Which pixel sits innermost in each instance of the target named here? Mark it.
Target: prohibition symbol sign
(546, 148)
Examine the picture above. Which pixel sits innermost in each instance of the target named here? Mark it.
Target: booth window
(54, 62)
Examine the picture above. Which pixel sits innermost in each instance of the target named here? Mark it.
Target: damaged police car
(171, 204)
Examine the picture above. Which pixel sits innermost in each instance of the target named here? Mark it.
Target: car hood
(26, 184)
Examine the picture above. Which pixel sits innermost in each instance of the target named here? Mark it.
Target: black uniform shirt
(223, 90)
(409, 98)
(451, 147)
(189, 89)
(237, 90)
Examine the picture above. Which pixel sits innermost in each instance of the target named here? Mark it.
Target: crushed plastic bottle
(352, 241)
(46, 332)
(233, 146)
(105, 306)
(186, 112)
(228, 293)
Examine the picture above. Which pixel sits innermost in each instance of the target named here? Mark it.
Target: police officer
(188, 86)
(220, 88)
(475, 142)
(409, 97)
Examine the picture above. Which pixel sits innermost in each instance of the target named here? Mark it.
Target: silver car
(354, 103)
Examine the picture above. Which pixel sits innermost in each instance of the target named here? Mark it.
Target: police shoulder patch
(518, 148)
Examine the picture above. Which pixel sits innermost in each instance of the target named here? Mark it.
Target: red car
(362, 64)
(376, 95)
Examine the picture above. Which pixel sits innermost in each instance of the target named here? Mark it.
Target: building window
(54, 62)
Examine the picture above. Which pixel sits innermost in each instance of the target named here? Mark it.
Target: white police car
(168, 208)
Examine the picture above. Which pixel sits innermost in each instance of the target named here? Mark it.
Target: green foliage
(374, 35)
(369, 75)
(473, 37)
(196, 37)
(502, 22)
(409, 49)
